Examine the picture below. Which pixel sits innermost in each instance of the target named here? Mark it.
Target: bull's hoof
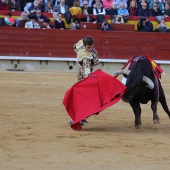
(138, 126)
(156, 119)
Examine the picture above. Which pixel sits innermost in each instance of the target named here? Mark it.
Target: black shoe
(84, 121)
(71, 122)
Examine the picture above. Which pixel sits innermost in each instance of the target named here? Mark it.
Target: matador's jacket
(87, 60)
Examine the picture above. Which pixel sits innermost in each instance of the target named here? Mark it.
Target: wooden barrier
(116, 27)
(59, 43)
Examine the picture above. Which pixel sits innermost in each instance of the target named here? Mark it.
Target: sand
(35, 135)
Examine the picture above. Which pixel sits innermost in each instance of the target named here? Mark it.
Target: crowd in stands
(119, 11)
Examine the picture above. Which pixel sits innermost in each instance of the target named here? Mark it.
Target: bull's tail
(162, 100)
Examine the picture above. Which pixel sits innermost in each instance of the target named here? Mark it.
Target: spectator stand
(16, 15)
(132, 19)
(54, 49)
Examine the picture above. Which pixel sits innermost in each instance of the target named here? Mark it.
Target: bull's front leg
(154, 109)
(137, 111)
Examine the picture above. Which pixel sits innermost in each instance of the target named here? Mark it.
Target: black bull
(143, 86)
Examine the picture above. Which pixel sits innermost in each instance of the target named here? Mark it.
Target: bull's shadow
(146, 128)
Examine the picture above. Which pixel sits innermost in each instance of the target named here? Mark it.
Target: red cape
(92, 95)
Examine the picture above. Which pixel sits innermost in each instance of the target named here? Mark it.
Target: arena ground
(35, 135)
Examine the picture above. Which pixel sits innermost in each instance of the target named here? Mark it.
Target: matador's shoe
(84, 121)
(71, 122)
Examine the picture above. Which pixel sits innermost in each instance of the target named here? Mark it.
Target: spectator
(113, 12)
(32, 24)
(32, 7)
(144, 11)
(160, 5)
(144, 25)
(69, 3)
(41, 5)
(49, 7)
(155, 11)
(59, 23)
(39, 16)
(4, 5)
(162, 27)
(166, 2)
(107, 4)
(119, 19)
(9, 20)
(55, 2)
(23, 18)
(133, 8)
(76, 9)
(106, 26)
(167, 11)
(90, 3)
(46, 24)
(98, 1)
(61, 8)
(75, 24)
(86, 9)
(121, 2)
(46, 1)
(81, 3)
(76, 3)
(123, 12)
(91, 19)
(140, 2)
(14, 6)
(41, 2)
(98, 9)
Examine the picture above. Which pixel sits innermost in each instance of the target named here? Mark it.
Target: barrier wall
(38, 49)
(58, 43)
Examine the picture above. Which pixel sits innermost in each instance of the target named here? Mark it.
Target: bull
(143, 86)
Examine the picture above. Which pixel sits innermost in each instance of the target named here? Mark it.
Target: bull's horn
(149, 82)
(121, 72)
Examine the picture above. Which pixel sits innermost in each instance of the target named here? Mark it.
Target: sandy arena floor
(35, 135)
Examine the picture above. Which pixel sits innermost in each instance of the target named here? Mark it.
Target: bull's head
(135, 83)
